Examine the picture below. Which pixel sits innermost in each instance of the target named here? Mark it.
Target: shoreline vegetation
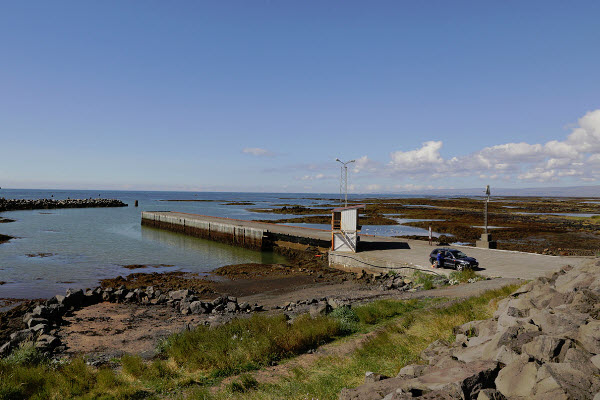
(225, 361)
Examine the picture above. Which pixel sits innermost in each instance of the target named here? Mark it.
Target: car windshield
(458, 254)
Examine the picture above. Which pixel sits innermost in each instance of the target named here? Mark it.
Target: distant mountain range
(569, 191)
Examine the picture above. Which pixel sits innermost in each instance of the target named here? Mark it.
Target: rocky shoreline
(23, 204)
(45, 319)
(42, 321)
(542, 343)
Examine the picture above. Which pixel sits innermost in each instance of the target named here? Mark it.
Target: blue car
(454, 259)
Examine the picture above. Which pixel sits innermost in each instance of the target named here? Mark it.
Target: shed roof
(349, 208)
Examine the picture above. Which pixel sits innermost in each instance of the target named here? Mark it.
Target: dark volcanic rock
(543, 343)
(21, 204)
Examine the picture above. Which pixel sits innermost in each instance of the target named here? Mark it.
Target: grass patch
(74, 379)
(382, 310)
(245, 383)
(466, 275)
(397, 344)
(347, 318)
(425, 279)
(247, 344)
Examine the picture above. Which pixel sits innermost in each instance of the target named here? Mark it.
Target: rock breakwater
(23, 204)
(542, 343)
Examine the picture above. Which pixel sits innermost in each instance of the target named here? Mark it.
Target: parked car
(454, 259)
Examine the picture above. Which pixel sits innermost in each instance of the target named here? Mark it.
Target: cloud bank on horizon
(577, 156)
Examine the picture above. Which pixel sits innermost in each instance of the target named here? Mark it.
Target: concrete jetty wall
(249, 234)
(225, 232)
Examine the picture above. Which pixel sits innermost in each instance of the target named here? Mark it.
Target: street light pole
(344, 180)
(487, 200)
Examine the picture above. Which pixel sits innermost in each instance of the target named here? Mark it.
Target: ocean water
(61, 248)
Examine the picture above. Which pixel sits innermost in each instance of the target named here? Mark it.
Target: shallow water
(82, 246)
(61, 248)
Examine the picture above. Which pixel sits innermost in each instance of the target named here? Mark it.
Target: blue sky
(264, 95)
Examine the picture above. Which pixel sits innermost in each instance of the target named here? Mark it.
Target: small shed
(345, 228)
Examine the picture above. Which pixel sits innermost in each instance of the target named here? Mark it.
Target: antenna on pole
(344, 180)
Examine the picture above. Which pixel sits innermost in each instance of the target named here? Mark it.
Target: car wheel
(431, 260)
(459, 267)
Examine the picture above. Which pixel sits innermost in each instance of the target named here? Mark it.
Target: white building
(345, 228)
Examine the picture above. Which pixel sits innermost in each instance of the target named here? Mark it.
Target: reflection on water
(200, 247)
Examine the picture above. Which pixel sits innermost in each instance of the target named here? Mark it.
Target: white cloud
(364, 164)
(576, 156)
(315, 177)
(373, 187)
(428, 156)
(258, 152)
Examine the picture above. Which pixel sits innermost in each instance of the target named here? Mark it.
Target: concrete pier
(376, 254)
(249, 234)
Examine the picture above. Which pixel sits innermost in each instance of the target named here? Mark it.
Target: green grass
(247, 344)
(425, 279)
(398, 343)
(465, 275)
(74, 379)
(381, 310)
(192, 361)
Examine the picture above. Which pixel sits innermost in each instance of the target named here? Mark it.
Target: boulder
(412, 370)
(196, 307)
(40, 328)
(589, 336)
(435, 351)
(5, 349)
(179, 294)
(319, 309)
(557, 324)
(36, 321)
(184, 306)
(490, 394)
(130, 297)
(563, 381)
(47, 342)
(516, 379)
(22, 335)
(231, 307)
(371, 377)
(41, 312)
(74, 298)
(333, 303)
(544, 348)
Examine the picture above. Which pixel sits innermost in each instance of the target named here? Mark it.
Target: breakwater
(23, 204)
(248, 234)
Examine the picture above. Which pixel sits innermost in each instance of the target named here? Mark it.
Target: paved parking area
(493, 263)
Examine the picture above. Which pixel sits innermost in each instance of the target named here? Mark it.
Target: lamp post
(344, 179)
(486, 239)
(487, 192)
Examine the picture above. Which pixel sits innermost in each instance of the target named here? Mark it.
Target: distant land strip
(22, 204)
